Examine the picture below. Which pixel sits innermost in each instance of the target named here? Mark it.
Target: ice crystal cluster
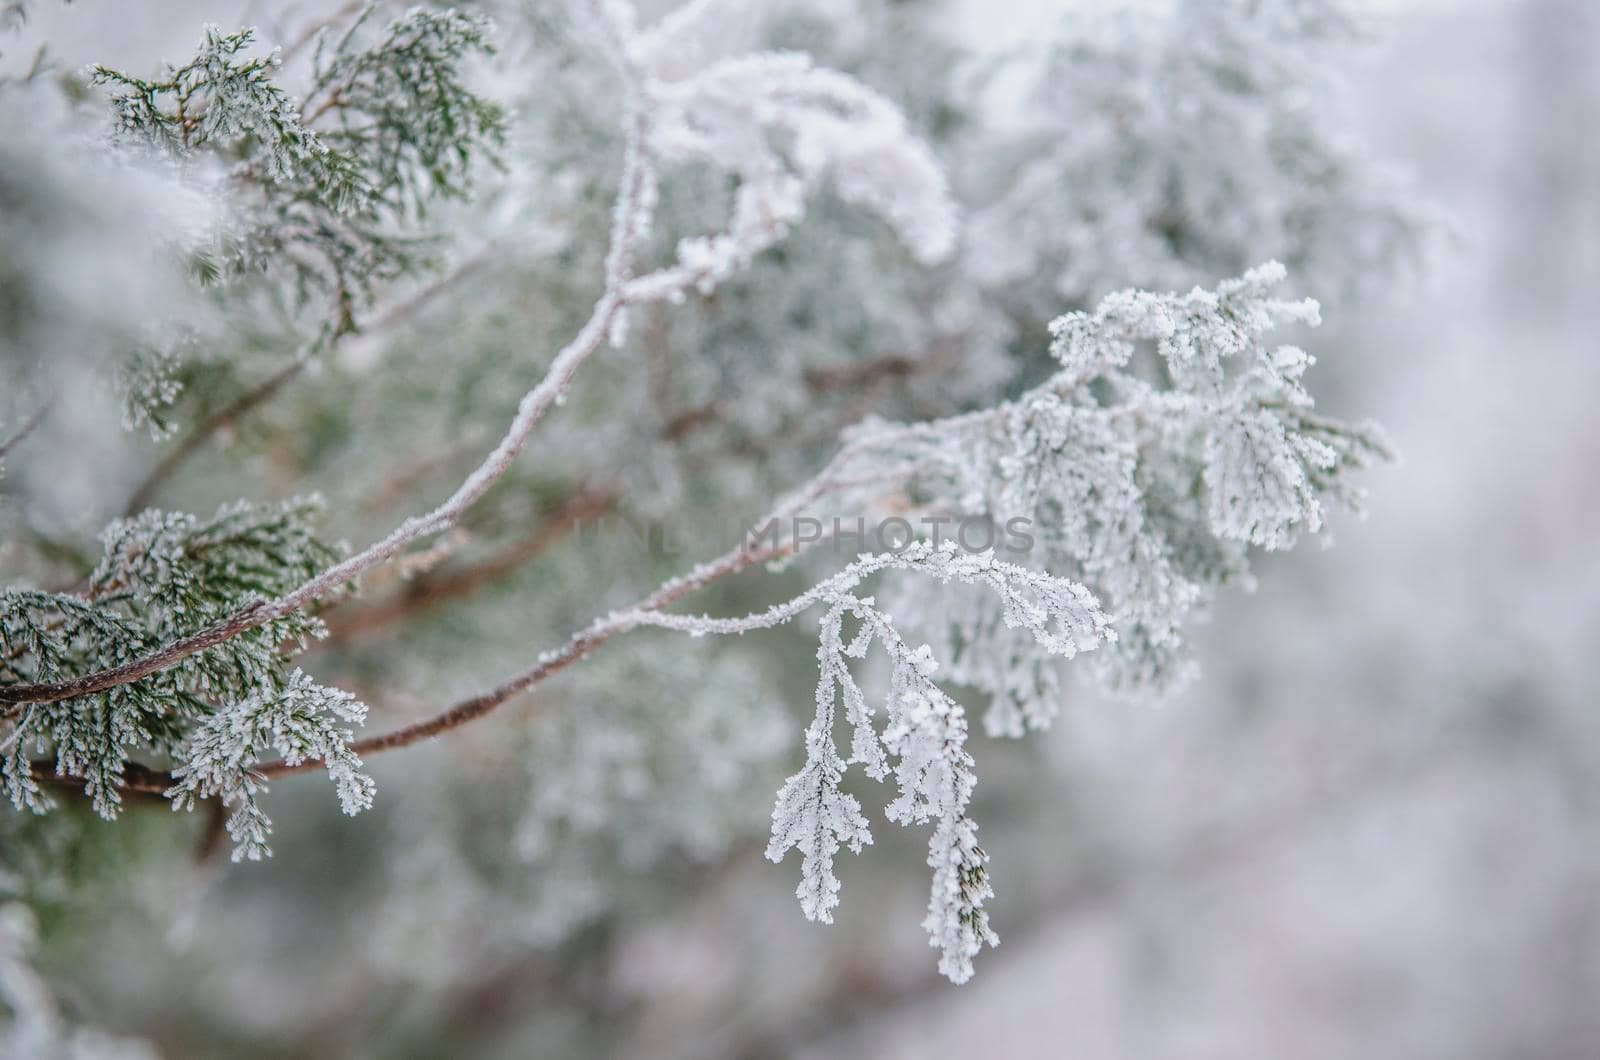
(732, 113)
(1174, 437)
(734, 279)
(922, 743)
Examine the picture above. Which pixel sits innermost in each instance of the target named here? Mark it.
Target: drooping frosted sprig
(923, 741)
(813, 815)
(299, 721)
(924, 736)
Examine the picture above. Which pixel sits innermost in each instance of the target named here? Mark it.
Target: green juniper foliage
(401, 109)
(148, 382)
(164, 575)
(329, 185)
(324, 199)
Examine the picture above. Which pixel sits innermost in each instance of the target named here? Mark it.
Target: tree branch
(576, 647)
(648, 611)
(850, 375)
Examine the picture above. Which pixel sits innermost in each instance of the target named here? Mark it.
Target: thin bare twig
(317, 26)
(577, 646)
(399, 484)
(28, 426)
(409, 307)
(850, 375)
(139, 781)
(399, 313)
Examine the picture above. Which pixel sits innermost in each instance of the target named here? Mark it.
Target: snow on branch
(781, 125)
(1143, 486)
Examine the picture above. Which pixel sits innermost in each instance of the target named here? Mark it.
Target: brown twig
(141, 779)
(434, 588)
(397, 486)
(410, 306)
(577, 646)
(335, 99)
(691, 420)
(852, 374)
(316, 27)
(27, 427)
(214, 832)
(141, 782)
(823, 379)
